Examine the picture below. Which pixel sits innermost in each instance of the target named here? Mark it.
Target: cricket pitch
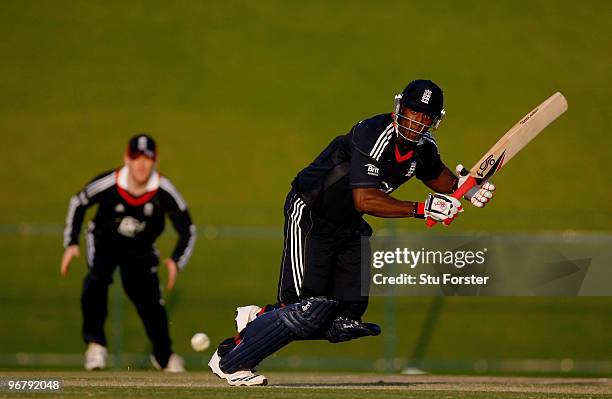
(149, 384)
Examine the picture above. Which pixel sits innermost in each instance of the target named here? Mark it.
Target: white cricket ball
(200, 342)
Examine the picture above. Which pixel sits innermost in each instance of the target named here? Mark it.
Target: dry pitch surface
(144, 384)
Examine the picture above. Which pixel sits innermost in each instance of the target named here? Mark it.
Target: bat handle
(458, 194)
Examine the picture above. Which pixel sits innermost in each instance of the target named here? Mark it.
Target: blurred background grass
(242, 95)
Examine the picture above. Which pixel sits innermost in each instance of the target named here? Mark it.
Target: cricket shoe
(245, 315)
(95, 357)
(237, 379)
(176, 364)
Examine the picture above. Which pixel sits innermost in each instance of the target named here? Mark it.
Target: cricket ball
(200, 342)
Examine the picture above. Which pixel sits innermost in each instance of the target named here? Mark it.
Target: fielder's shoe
(95, 356)
(176, 364)
(239, 378)
(245, 315)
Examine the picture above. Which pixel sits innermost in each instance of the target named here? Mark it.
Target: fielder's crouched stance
(132, 204)
(319, 291)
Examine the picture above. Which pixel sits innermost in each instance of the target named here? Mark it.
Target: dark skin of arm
(376, 203)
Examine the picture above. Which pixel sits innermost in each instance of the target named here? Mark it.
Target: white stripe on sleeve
(74, 203)
(380, 142)
(100, 185)
(169, 187)
(182, 262)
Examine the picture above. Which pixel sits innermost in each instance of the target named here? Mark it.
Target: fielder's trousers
(140, 283)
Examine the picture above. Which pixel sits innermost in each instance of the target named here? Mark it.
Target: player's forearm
(183, 249)
(74, 221)
(445, 183)
(376, 203)
(186, 238)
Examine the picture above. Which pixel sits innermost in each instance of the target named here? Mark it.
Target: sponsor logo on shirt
(372, 170)
(129, 227)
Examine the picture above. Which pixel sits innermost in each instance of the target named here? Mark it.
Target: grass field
(317, 386)
(242, 96)
(48, 320)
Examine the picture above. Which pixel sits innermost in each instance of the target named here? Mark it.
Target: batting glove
(477, 195)
(439, 207)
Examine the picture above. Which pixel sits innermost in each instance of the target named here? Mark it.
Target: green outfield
(241, 96)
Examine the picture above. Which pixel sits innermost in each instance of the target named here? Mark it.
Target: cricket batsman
(133, 202)
(319, 288)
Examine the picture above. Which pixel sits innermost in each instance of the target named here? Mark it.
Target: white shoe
(245, 315)
(176, 364)
(95, 356)
(239, 378)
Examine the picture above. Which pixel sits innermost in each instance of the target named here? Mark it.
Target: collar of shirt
(122, 179)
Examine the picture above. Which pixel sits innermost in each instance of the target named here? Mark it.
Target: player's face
(412, 124)
(141, 168)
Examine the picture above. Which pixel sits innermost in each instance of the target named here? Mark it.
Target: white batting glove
(441, 208)
(477, 195)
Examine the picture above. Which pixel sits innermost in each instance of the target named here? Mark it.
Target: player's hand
(71, 251)
(172, 268)
(477, 195)
(442, 208)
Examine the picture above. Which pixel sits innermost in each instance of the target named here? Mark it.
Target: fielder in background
(319, 289)
(133, 202)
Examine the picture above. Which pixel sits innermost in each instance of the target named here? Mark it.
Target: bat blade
(511, 143)
(519, 136)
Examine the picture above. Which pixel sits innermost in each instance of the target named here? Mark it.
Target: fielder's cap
(142, 144)
(423, 96)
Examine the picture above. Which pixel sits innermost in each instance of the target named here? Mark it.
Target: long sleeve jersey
(131, 224)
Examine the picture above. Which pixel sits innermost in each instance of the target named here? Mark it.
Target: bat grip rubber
(458, 194)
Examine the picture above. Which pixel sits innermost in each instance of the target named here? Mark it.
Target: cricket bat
(511, 143)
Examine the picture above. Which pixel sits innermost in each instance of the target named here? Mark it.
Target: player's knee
(98, 278)
(308, 317)
(94, 283)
